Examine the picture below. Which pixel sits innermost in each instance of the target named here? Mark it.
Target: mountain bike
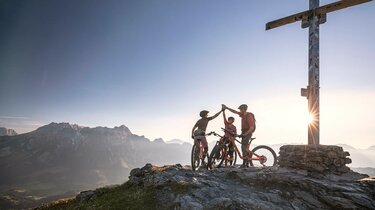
(259, 156)
(220, 152)
(197, 154)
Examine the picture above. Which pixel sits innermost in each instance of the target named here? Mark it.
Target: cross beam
(320, 12)
(312, 18)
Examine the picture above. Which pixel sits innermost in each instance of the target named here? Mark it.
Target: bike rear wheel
(217, 156)
(195, 157)
(266, 154)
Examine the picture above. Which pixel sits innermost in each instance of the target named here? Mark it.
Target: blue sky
(153, 65)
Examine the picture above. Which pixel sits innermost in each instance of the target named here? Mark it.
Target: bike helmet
(203, 113)
(243, 106)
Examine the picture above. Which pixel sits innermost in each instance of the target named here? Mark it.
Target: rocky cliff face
(177, 187)
(7, 132)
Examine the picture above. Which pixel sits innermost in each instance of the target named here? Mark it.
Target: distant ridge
(7, 132)
(68, 157)
(64, 125)
(175, 141)
(345, 146)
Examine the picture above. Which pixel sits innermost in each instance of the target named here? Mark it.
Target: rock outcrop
(315, 158)
(177, 187)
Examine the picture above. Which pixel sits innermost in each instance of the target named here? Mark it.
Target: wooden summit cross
(312, 18)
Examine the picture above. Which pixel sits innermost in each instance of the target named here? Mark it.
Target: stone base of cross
(315, 158)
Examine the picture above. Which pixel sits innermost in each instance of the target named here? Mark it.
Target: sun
(310, 118)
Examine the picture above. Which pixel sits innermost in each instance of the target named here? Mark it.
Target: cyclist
(247, 129)
(199, 130)
(231, 134)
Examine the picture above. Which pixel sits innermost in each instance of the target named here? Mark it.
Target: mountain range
(62, 158)
(7, 132)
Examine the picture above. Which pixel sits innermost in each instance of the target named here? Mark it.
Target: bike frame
(257, 157)
(234, 140)
(201, 149)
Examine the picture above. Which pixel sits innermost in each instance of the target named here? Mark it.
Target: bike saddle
(252, 138)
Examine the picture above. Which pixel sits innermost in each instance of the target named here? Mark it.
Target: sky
(154, 65)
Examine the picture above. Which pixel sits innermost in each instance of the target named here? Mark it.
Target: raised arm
(225, 118)
(232, 110)
(217, 114)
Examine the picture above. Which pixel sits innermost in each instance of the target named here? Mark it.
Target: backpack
(253, 116)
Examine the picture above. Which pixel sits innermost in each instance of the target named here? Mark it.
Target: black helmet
(203, 113)
(243, 106)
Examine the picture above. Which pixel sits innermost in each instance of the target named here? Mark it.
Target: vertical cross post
(312, 18)
(313, 88)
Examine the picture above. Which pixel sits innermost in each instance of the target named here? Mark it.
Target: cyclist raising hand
(230, 133)
(199, 130)
(247, 128)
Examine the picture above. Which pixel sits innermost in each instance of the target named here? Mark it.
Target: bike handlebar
(234, 136)
(226, 130)
(213, 133)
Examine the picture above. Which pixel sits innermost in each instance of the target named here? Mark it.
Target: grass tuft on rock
(121, 197)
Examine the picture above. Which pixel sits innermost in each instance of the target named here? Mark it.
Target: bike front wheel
(217, 157)
(263, 156)
(195, 157)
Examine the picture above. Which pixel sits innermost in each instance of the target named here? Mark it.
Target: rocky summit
(178, 187)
